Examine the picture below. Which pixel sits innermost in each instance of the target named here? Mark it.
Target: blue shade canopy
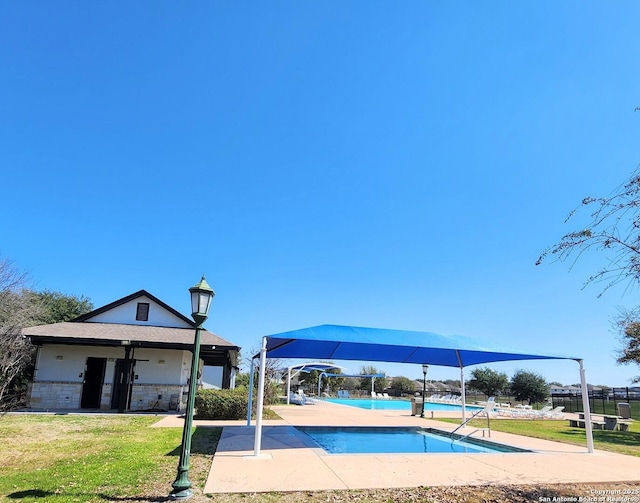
(309, 367)
(336, 342)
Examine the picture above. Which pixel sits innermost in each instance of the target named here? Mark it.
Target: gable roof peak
(129, 298)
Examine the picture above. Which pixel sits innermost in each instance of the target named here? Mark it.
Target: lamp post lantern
(425, 367)
(201, 296)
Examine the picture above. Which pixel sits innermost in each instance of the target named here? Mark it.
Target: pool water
(386, 440)
(368, 403)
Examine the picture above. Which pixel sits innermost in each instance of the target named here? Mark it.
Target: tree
(628, 327)
(528, 386)
(379, 384)
(273, 373)
(18, 308)
(488, 381)
(58, 307)
(613, 228)
(401, 385)
(242, 379)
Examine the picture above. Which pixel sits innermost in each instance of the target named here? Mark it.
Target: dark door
(122, 382)
(92, 384)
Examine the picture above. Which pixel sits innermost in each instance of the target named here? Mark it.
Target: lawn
(94, 458)
(622, 442)
(100, 458)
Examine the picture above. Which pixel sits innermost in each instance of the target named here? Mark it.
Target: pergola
(337, 342)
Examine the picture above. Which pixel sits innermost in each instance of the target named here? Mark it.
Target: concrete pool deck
(288, 463)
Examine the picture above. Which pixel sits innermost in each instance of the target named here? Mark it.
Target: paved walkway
(288, 462)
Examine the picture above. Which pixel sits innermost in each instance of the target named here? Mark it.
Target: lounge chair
(306, 399)
(537, 414)
(296, 399)
(345, 393)
(386, 396)
(555, 413)
(374, 395)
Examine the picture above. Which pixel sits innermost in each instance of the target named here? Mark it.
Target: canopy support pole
(319, 382)
(464, 395)
(288, 385)
(462, 390)
(258, 432)
(587, 408)
(251, 372)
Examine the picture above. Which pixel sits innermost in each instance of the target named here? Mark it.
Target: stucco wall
(161, 376)
(67, 363)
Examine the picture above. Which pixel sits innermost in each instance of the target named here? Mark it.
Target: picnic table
(601, 422)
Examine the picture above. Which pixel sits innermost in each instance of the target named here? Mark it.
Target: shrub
(222, 403)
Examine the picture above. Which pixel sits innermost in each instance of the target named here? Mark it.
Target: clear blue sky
(392, 165)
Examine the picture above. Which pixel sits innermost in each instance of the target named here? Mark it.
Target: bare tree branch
(614, 228)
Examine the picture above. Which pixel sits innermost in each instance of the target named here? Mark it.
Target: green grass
(622, 442)
(99, 458)
(90, 458)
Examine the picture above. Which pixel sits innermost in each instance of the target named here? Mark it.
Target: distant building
(565, 390)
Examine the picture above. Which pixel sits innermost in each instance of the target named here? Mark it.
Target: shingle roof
(119, 332)
(213, 349)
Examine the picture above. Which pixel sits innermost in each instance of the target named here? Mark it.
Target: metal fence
(600, 402)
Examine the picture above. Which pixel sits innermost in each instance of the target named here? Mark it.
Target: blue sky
(393, 165)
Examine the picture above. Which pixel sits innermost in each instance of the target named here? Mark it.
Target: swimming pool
(399, 440)
(368, 403)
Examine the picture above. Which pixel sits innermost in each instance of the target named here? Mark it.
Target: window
(142, 314)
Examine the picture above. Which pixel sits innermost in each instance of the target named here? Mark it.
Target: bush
(222, 403)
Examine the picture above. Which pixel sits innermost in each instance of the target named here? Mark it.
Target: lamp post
(425, 367)
(201, 296)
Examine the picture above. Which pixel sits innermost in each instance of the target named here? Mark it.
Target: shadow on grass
(52, 496)
(30, 493)
(203, 441)
(626, 438)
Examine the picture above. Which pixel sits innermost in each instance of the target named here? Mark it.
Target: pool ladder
(483, 430)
